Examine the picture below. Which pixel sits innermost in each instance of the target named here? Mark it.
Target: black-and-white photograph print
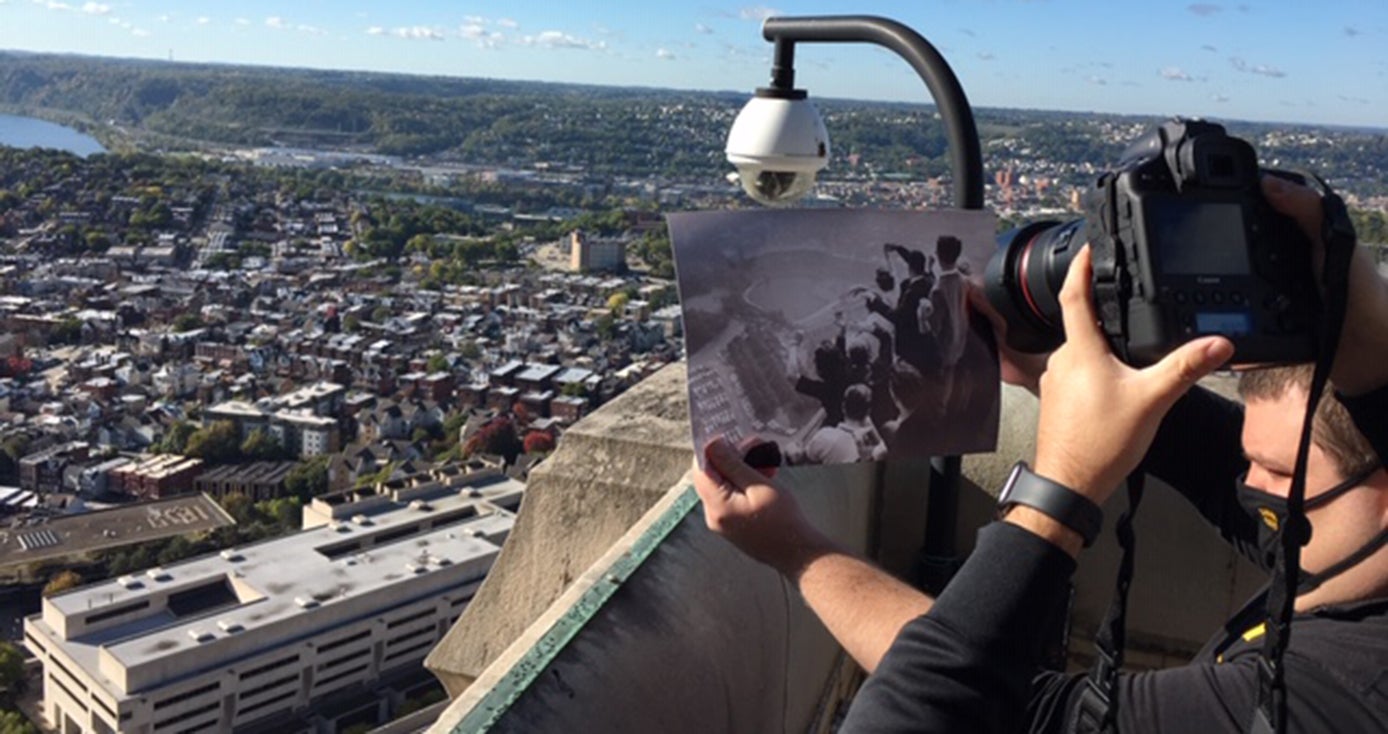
(840, 335)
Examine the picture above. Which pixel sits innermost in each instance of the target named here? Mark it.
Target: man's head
(1333, 432)
(948, 249)
(915, 261)
(1275, 406)
(857, 399)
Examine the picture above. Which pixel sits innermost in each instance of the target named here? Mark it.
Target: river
(27, 132)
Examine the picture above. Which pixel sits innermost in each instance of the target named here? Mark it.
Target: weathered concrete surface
(698, 639)
(605, 474)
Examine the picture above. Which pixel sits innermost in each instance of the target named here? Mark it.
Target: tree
(538, 442)
(176, 439)
(62, 581)
(187, 322)
(617, 302)
(13, 722)
(497, 437)
(215, 444)
(11, 668)
(308, 479)
(261, 445)
(438, 363)
(240, 507)
(286, 512)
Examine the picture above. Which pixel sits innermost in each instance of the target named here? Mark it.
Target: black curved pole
(937, 561)
(966, 156)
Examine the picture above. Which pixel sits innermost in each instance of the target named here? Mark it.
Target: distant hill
(611, 130)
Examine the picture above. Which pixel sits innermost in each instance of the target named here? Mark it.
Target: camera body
(1183, 245)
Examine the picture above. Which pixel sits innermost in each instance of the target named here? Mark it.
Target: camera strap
(1337, 233)
(1096, 710)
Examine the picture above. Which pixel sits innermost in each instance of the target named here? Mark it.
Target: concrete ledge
(607, 471)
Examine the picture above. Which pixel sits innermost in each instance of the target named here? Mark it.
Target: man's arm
(862, 606)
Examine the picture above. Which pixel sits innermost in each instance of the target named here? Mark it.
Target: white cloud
(96, 9)
(276, 22)
(757, 12)
(1221, 98)
(310, 29)
(164, 18)
(417, 33)
(1205, 9)
(375, 30)
(243, 21)
(474, 20)
(1174, 73)
(1260, 69)
(701, 28)
(665, 53)
(559, 39)
(52, 5)
(508, 23)
(473, 30)
(1097, 81)
(204, 20)
(139, 33)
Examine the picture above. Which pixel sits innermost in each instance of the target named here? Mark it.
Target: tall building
(265, 637)
(587, 255)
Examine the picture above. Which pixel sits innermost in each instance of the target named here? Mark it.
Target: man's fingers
(1077, 305)
(1190, 362)
(726, 459)
(1298, 202)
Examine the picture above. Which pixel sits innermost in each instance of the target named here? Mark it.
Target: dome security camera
(778, 143)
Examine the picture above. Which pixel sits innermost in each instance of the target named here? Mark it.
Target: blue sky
(1322, 61)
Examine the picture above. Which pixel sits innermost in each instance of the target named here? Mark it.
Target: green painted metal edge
(499, 699)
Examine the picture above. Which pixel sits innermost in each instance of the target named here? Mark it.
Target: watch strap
(1053, 499)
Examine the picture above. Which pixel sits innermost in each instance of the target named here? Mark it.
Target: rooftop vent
(478, 533)
(340, 527)
(474, 492)
(305, 603)
(420, 505)
(361, 519)
(130, 582)
(158, 574)
(233, 555)
(416, 568)
(201, 635)
(229, 625)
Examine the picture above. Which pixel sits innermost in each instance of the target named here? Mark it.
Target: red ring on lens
(1024, 281)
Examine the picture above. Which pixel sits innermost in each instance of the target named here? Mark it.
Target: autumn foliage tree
(538, 442)
(496, 437)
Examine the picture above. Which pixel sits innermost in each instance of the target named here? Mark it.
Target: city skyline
(1245, 61)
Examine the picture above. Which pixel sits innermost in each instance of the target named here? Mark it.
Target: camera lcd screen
(1197, 238)
(1228, 323)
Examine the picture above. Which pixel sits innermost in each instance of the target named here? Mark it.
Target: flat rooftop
(254, 598)
(73, 534)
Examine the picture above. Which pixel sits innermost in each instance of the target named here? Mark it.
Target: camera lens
(1023, 280)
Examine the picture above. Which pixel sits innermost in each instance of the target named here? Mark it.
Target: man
(969, 661)
(911, 343)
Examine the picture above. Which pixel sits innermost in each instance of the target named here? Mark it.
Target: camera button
(1236, 298)
(1217, 298)
(1178, 296)
(1198, 297)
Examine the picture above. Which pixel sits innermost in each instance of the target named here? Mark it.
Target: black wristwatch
(1055, 500)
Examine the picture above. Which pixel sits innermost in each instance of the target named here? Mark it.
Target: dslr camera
(1183, 245)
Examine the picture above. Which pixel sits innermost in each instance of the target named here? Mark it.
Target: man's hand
(1359, 363)
(1018, 368)
(1098, 415)
(758, 516)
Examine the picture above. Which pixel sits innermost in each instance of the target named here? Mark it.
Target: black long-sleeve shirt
(972, 664)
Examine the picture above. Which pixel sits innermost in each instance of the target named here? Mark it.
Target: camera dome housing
(778, 143)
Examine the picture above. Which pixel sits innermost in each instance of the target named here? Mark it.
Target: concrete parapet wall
(692, 636)
(608, 470)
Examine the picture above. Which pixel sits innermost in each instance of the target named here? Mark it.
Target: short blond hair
(1333, 430)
